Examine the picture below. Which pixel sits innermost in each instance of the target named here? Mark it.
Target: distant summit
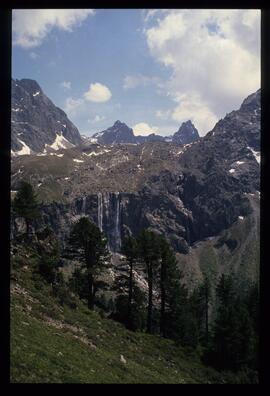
(121, 133)
(187, 133)
(118, 133)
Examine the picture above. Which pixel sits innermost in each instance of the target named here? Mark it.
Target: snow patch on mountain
(59, 143)
(25, 150)
(256, 154)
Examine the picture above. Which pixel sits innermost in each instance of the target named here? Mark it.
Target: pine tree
(87, 244)
(130, 250)
(179, 319)
(149, 253)
(49, 252)
(232, 344)
(205, 292)
(169, 278)
(25, 205)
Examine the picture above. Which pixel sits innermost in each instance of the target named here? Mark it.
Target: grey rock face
(36, 121)
(222, 167)
(187, 193)
(186, 134)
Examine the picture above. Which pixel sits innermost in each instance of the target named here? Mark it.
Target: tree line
(163, 305)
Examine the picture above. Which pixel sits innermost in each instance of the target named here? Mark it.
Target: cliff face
(187, 193)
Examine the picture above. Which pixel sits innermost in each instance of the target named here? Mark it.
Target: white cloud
(214, 58)
(142, 128)
(72, 106)
(98, 93)
(191, 107)
(30, 27)
(66, 84)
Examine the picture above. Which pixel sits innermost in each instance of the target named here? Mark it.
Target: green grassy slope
(235, 250)
(51, 343)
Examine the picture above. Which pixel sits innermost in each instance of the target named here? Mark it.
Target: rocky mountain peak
(37, 125)
(29, 85)
(118, 133)
(186, 134)
(118, 123)
(252, 101)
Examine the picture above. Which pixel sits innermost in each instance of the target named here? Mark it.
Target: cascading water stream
(117, 223)
(100, 212)
(84, 206)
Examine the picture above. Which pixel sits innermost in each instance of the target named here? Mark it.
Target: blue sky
(152, 69)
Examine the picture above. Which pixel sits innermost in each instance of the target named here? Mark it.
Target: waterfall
(106, 199)
(108, 218)
(117, 223)
(84, 206)
(100, 212)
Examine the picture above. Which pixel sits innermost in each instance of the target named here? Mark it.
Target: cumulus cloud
(98, 93)
(191, 107)
(66, 84)
(30, 27)
(214, 58)
(142, 128)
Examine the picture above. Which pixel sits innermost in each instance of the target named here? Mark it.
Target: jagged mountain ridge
(37, 125)
(121, 133)
(188, 192)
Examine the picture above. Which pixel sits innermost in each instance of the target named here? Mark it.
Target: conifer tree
(88, 245)
(25, 205)
(130, 250)
(149, 253)
(232, 345)
(169, 280)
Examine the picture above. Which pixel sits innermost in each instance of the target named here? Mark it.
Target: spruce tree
(88, 245)
(130, 250)
(25, 205)
(232, 344)
(169, 278)
(149, 253)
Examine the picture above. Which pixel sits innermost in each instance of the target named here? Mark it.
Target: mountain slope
(187, 193)
(37, 125)
(57, 344)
